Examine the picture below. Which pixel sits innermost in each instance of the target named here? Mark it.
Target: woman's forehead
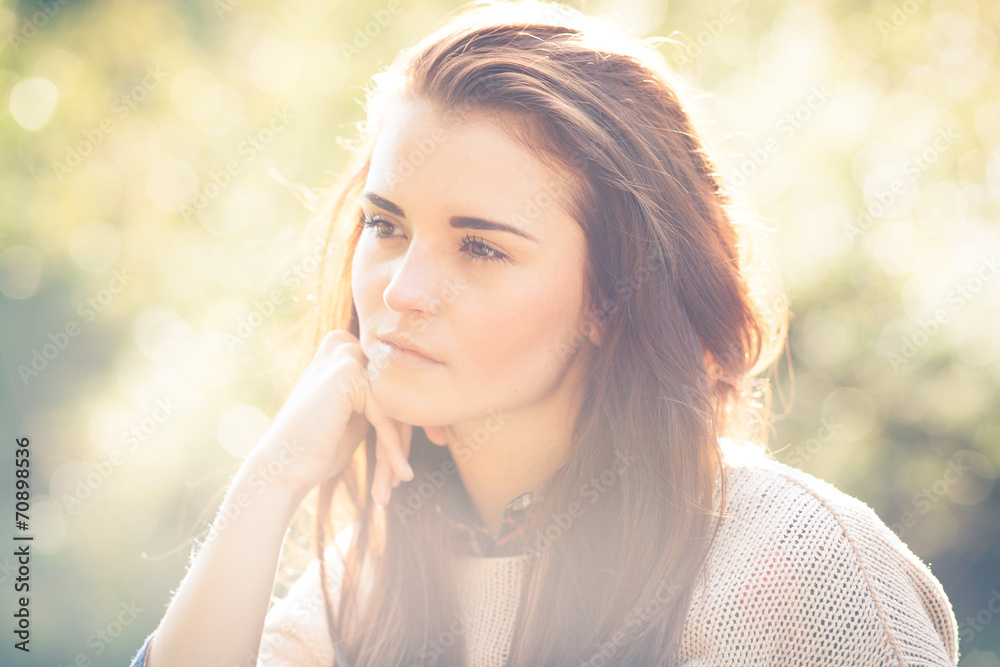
(423, 158)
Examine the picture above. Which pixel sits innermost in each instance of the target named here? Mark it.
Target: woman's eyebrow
(456, 221)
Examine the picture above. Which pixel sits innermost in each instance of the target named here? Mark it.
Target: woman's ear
(595, 318)
(596, 333)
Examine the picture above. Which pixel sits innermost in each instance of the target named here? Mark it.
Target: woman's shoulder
(803, 569)
(768, 500)
(756, 481)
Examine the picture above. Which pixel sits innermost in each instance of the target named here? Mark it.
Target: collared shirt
(466, 533)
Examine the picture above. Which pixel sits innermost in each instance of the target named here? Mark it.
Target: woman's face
(498, 304)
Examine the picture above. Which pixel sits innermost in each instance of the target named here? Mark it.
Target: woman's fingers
(407, 439)
(381, 484)
(386, 478)
(387, 430)
(392, 444)
(391, 450)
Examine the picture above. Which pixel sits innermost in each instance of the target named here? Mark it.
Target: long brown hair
(682, 338)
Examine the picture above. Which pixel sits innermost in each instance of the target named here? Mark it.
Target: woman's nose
(416, 281)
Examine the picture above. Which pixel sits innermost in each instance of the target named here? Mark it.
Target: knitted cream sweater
(801, 574)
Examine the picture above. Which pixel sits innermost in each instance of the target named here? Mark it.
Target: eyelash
(497, 256)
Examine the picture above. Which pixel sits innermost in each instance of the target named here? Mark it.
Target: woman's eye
(373, 221)
(491, 253)
(481, 251)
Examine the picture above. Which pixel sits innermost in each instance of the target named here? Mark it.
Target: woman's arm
(217, 614)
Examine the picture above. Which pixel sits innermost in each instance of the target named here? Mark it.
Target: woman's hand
(326, 417)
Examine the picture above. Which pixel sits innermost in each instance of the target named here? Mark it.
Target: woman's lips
(405, 357)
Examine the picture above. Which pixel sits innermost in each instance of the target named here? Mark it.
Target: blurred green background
(160, 161)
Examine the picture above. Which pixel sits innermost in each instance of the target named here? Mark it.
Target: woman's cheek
(359, 265)
(365, 281)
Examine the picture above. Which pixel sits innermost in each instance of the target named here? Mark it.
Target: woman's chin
(406, 403)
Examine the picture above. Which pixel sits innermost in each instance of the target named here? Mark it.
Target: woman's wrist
(259, 480)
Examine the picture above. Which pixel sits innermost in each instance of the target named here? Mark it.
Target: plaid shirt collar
(467, 535)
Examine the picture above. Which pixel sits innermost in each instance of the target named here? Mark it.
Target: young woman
(541, 329)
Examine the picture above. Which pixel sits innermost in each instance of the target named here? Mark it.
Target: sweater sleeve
(807, 575)
(140, 659)
(295, 631)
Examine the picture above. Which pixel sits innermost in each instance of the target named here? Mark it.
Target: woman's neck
(524, 448)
